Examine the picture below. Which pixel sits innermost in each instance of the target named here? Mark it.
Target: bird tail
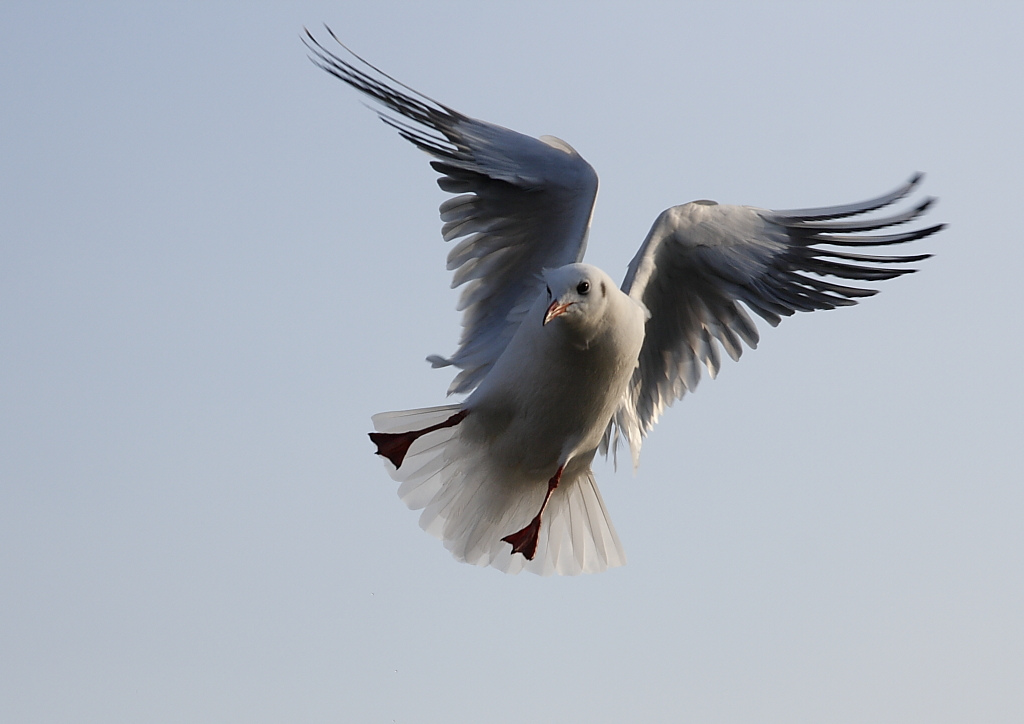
(471, 505)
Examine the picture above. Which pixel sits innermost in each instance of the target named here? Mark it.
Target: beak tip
(556, 309)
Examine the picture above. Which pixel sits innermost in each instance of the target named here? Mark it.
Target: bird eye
(583, 287)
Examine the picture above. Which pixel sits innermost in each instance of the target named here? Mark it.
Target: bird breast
(547, 399)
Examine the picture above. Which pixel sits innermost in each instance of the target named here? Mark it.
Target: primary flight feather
(557, 362)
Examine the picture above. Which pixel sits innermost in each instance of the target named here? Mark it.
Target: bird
(556, 363)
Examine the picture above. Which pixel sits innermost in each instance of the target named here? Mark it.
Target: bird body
(559, 364)
(543, 409)
(578, 363)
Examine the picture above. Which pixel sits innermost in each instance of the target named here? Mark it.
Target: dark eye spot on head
(583, 287)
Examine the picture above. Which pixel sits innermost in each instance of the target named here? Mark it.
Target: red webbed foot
(525, 541)
(395, 445)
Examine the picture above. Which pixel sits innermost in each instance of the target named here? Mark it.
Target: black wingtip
(932, 230)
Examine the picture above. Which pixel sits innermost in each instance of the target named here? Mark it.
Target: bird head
(577, 296)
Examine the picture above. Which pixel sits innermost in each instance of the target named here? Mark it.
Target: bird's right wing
(701, 260)
(523, 205)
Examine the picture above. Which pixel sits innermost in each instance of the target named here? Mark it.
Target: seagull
(557, 363)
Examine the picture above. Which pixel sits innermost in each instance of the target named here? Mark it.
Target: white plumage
(556, 360)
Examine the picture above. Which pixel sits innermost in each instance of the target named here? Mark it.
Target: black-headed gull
(556, 360)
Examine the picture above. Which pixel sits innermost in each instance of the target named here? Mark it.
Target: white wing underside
(471, 509)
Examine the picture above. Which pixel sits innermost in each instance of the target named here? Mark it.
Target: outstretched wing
(524, 204)
(702, 259)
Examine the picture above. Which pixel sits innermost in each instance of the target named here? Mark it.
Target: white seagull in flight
(557, 361)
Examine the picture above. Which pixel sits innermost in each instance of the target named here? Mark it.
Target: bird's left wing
(701, 260)
(524, 205)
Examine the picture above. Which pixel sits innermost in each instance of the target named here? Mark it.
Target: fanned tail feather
(577, 535)
(471, 506)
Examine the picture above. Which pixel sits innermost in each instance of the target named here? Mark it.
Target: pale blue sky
(215, 265)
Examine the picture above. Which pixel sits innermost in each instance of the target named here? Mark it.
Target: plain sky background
(215, 265)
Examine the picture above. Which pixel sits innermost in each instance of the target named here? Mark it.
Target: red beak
(557, 309)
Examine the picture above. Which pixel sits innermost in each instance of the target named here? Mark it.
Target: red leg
(525, 541)
(395, 445)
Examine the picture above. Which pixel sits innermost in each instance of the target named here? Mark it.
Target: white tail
(471, 505)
